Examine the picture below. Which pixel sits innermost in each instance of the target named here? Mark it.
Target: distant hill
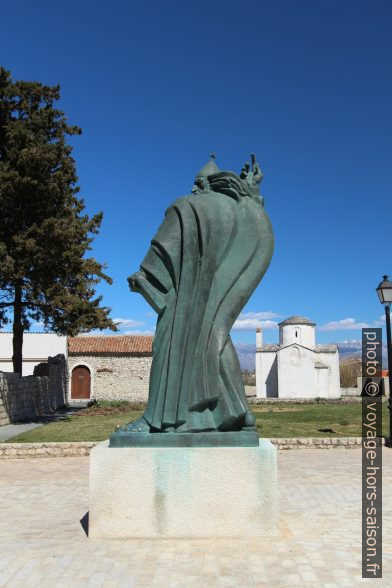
(350, 348)
(354, 348)
(246, 354)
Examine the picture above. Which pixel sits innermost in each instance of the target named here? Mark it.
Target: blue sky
(157, 85)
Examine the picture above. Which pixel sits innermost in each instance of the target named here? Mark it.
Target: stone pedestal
(208, 492)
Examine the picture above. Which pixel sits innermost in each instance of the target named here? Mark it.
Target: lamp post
(384, 291)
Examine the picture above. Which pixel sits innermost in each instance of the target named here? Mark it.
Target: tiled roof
(319, 364)
(127, 344)
(268, 347)
(297, 320)
(317, 348)
(329, 348)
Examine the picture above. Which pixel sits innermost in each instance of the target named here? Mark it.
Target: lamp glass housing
(384, 291)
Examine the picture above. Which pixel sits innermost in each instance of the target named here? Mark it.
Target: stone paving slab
(42, 542)
(13, 429)
(9, 431)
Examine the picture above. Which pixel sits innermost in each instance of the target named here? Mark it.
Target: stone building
(296, 367)
(109, 367)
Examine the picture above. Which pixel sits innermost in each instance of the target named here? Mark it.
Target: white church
(297, 367)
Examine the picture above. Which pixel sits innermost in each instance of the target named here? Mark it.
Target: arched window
(297, 334)
(295, 355)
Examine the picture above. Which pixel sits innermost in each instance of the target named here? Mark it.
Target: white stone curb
(316, 442)
(22, 450)
(82, 448)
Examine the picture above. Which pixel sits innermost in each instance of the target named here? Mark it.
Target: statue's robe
(206, 259)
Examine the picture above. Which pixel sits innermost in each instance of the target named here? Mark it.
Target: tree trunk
(17, 329)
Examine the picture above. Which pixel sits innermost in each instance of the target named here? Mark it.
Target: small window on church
(296, 333)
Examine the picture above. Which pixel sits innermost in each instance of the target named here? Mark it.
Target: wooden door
(80, 385)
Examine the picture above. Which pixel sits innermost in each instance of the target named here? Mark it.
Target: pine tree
(45, 274)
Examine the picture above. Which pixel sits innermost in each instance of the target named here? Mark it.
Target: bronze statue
(208, 256)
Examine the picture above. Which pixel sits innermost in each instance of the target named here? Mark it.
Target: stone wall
(115, 377)
(384, 385)
(350, 392)
(250, 392)
(29, 397)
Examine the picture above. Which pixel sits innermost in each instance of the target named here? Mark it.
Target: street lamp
(384, 291)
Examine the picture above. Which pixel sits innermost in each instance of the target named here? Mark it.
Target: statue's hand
(134, 281)
(139, 282)
(253, 177)
(245, 171)
(257, 173)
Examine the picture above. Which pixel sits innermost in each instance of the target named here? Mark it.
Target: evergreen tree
(45, 234)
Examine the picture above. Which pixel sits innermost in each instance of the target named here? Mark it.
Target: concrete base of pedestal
(183, 492)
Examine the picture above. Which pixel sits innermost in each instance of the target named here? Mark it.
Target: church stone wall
(301, 334)
(297, 368)
(322, 381)
(296, 377)
(266, 375)
(332, 361)
(115, 377)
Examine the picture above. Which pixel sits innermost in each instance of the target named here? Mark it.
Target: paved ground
(9, 431)
(42, 542)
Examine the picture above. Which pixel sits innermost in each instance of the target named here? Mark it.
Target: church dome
(297, 320)
(297, 330)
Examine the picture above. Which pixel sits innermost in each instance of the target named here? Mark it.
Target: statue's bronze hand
(134, 281)
(245, 171)
(257, 173)
(138, 282)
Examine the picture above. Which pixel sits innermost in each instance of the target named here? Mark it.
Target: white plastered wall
(296, 372)
(331, 360)
(300, 334)
(37, 347)
(266, 375)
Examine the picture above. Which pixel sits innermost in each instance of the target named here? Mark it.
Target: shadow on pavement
(84, 523)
